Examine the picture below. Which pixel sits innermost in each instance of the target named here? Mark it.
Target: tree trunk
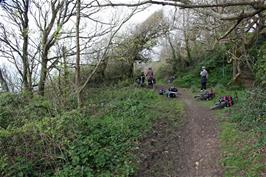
(174, 56)
(103, 68)
(25, 69)
(44, 62)
(131, 69)
(27, 84)
(65, 75)
(43, 73)
(79, 99)
(187, 49)
(3, 82)
(236, 64)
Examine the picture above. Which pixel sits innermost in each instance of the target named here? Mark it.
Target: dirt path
(190, 151)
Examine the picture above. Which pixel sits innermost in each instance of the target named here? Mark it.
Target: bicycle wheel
(218, 106)
(197, 97)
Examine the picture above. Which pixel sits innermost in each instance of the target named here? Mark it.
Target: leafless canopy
(256, 6)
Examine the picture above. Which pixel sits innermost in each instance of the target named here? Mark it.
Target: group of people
(149, 75)
(224, 101)
(151, 79)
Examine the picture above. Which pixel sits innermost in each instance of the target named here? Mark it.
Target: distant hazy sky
(138, 18)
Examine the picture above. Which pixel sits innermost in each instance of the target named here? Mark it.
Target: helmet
(203, 67)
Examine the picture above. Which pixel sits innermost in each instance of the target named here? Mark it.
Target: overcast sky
(136, 19)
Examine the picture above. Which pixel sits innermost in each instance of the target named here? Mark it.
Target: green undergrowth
(95, 141)
(17, 110)
(215, 61)
(217, 76)
(242, 151)
(243, 132)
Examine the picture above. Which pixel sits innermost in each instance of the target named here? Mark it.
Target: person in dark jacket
(150, 77)
(141, 80)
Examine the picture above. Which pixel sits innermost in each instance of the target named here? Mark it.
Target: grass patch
(243, 136)
(241, 156)
(242, 133)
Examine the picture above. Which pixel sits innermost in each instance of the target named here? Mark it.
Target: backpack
(150, 81)
(211, 95)
(173, 89)
(142, 79)
(154, 81)
(228, 100)
(171, 94)
(208, 95)
(161, 91)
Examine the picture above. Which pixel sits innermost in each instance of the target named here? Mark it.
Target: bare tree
(16, 14)
(50, 22)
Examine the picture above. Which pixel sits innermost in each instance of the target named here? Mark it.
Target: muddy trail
(189, 151)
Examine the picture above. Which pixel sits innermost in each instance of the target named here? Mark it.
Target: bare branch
(105, 52)
(230, 30)
(182, 4)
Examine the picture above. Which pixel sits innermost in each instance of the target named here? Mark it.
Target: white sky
(136, 19)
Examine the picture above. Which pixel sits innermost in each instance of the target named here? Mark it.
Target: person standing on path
(204, 78)
(150, 77)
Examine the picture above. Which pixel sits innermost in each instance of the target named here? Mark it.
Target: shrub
(250, 114)
(164, 72)
(95, 141)
(37, 147)
(16, 110)
(243, 136)
(186, 81)
(253, 115)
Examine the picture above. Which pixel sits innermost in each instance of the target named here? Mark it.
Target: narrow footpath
(188, 151)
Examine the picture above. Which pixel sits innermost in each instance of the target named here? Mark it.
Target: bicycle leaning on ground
(225, 101)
